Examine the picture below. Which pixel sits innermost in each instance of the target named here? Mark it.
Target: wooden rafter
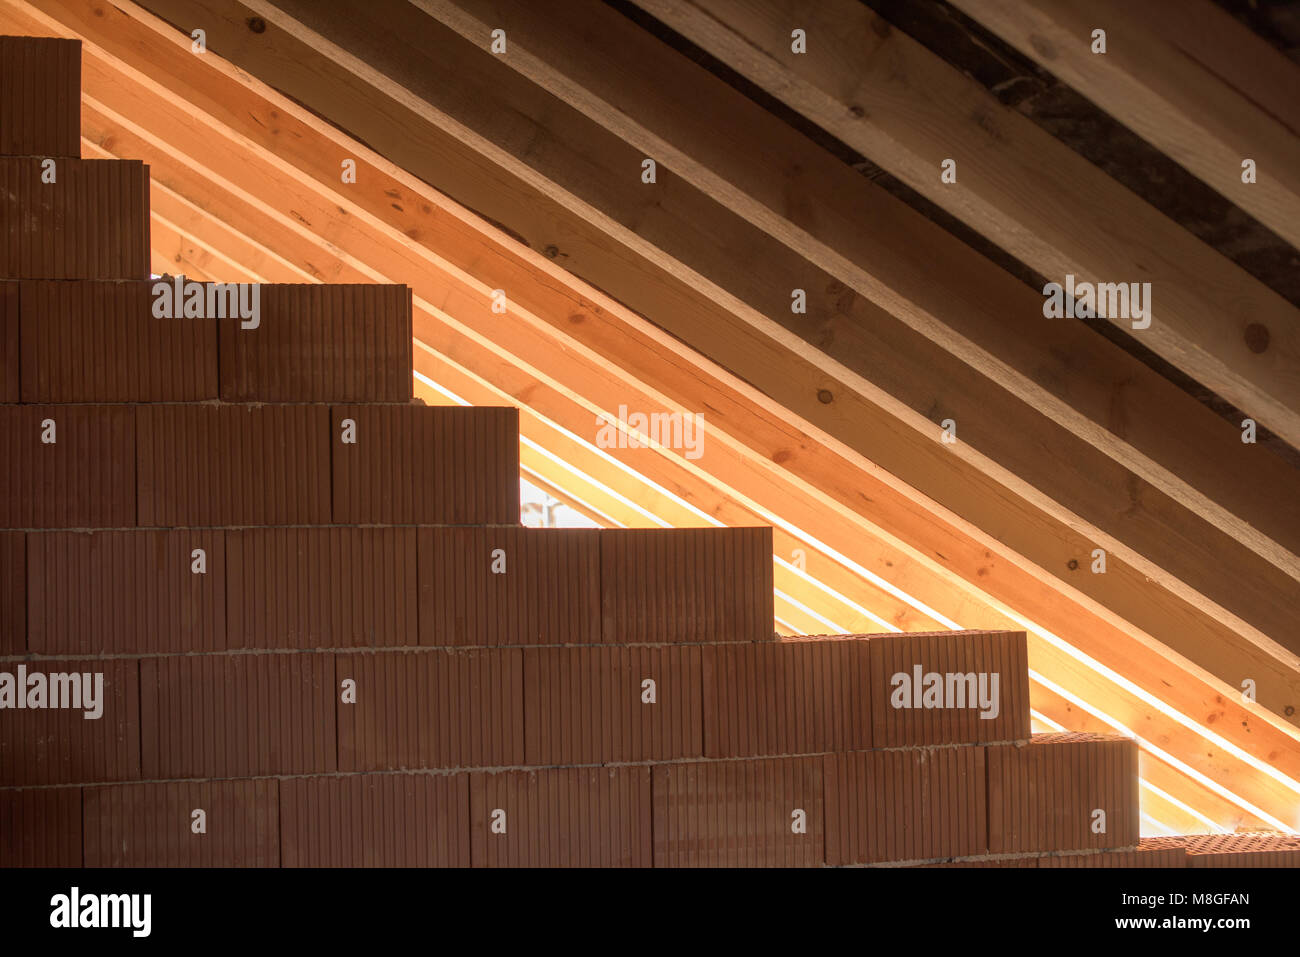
(893, 100)
(602, 64)
(1182, 74)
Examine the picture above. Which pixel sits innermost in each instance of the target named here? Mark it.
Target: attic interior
(851, 343)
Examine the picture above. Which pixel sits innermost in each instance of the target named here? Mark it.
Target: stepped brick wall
(324, 639)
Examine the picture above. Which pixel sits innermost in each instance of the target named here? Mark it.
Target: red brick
(549, 593)
(321, 587)
(40, 827)
(435, 709)
(40, 96)
(797, 696)
(321, 343)
(412, 464)
(585, 705)
(1042, 794)
(562, 817)
(237, 715)
(234, 465)
(738, 813)
(62, 746)
(152, 825)
(977, 653)
(690, 584)
(100, 342)
(1242, 850)
(10, 356)
(376, 820)
(91, 223)
(85, 479)
(905, 805)
(125, 592)
(13, 593)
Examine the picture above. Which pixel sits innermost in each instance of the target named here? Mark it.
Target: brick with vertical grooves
(795, 696)
(100, 342)
(1001, 653)
(234, 465)
(690, 584)
(738, 813)
(92, 222)
(237, 715)
(85, 479)
(40, 827)
(126, 592)
(562, 817)
(321, 343)
(548, 594)
(586, 705)
(905, 805)
(376, 820)
(13, 593)
(152, 824)
(40, 96)
(10, 354)
(413, 464)
(62, 746)
(321, 587)
(439, 709)
(1041, 794)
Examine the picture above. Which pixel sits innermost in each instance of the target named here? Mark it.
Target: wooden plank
(624, 78)
(921, 570)
(1153, 79)
(891, 99)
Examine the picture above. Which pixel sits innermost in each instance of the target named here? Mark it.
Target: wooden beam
(1030, 529)
(621, 76)
(891, 99)
(597, 317)
(1153, 80)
